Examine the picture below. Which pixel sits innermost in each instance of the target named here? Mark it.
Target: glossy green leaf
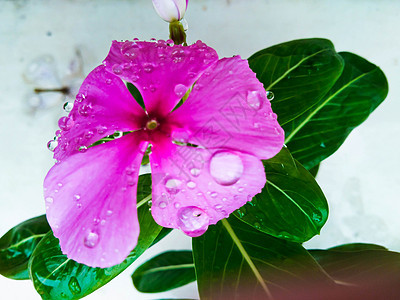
(314, 170)
(299, 73)
(235, 261)
(164, 272)
(135, 93)
(358, 264)
(17, 245)
(359, 90)
(57, 277)
(291, 205)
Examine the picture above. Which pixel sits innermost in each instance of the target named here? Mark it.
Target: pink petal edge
(91, 201)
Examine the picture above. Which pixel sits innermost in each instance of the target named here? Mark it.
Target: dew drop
(117, 69)
(129, 170)
(254, 99)
(162, 204)
(109, 212)
(177, 205)
(84, 110)
(193, 221)
(65, 123)
(172, 185)
(270, 95)
(108, 81)
(83, 148)
(49, 199)
(58, 133)
(241, 189)
(89, 134)
(74, 286)
(91, 239)
(118, 134)
(51, 145)
(180, 90)
(213, 194)
(226, 168)
(218, 206)
(77, 197)
(148, 68)
(129, 49)
(79, 205)
(191, 185)
(68, 106)
(195, 172)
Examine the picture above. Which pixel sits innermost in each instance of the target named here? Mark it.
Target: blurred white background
(361, 180)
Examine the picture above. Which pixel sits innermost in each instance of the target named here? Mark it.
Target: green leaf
(235, 261)
(299, 73)
(291, 205)
(55, 276)
(165, 272)
(314, 170)
(135, 93)
(359, 90)
(17, 245)
(358, 264)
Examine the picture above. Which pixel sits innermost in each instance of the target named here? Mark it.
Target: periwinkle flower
(205, 155)
(170, 10)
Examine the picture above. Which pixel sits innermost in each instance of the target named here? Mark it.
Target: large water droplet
(180, 90)
(193, 221)
(254, 99)
(65, 123)
(91, 239)
(117, 69)
(51, 145)
(74, 286)
(226, 168)
(172, 185)
(68, 106)
(270, 95)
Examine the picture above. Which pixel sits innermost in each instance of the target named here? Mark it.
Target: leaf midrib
(168, 268)
(246, 256)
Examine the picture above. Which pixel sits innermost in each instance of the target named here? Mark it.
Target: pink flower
(205, 156)
(170, 10)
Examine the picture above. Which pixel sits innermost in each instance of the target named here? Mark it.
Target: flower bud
(170, 10)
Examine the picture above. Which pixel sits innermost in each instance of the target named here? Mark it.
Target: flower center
(152, 124)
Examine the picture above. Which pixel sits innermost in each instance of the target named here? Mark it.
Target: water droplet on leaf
(270, 95)
(74, 286)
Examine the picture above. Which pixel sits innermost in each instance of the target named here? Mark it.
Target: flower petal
(162, 73)
(228, 107)
(103, 105)
(170, 10)
(91, 201)
(194, 187)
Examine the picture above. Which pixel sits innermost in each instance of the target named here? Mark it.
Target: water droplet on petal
(83, 148)
(195, 172)
(129, 49)
(49, 199)
(89, 134)
(118, 134)
(148, 68)
(162, 205)
(193, 221)
(68, 106)
(213, 194)
(85, 109)
(191, 185)
(91, 239)
(180, 90)
(77, 197)
(74, 286)
(51, 145)
(172, 185)
(177, 205)
(241, 189)
(254, 99)
(109, 212)
(226, 168)
(65, 123)
(270, 95)
(117, 69)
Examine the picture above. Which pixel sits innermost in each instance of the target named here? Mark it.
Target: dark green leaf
(291, 205)
(55, 276)
(359, 263)
(165, 272)
(17, 245)
(135, 93)
(324, 127)
(235, 261)
(299, 73)
(314, 170)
